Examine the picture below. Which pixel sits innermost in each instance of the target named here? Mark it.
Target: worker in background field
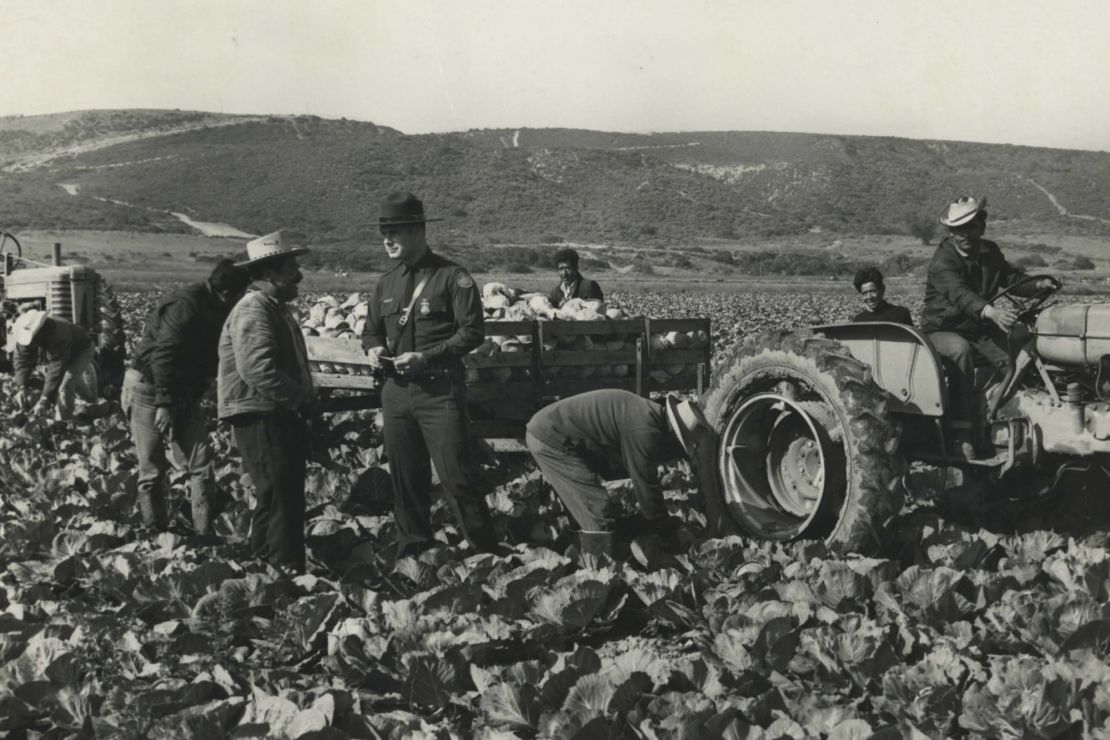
(965, 272)
(571, 283)
(265, 392)
(69, 353)
(424, 316)
(604, 434)
(869, 285)
(174, 365)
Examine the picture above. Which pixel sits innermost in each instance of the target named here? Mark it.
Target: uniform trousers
(424, 424)
(275, 448)
(189, 449)
(959, 353)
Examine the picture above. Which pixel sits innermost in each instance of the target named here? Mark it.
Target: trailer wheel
(111, 342)
(808, 449)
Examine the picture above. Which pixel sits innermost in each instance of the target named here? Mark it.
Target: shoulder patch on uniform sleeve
(463, 279)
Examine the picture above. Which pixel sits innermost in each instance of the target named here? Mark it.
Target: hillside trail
(42, 158)
(1058, 206)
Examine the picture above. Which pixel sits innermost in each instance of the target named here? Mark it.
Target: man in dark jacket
(581, 440)
(965, 273)
(265, 392)
(69, 353)
(869, 285)
(571, 283)
(424, 316)
(173, 366)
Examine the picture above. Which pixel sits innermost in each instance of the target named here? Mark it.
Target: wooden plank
(496, 428)
(354, 382)
(603, 327)
(501, 359)
(589, 357)
(675, 356)
(331, 349)
(563, 387)
(523, 390)
(662, 326)
(498, 328)
(351, 403)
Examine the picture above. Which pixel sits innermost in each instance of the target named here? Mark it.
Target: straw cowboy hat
(400, 208)
(28, 325)
(963, 211)
(686, 419)
(270, 247)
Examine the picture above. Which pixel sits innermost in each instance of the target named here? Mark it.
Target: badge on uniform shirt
(464, 280)
(425, 307)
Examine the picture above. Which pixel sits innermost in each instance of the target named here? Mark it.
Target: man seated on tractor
(966, 272)
(571, 283)
(69, 353)
(869, 285)
(605, 434)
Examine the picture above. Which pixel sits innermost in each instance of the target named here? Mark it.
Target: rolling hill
(321, 179)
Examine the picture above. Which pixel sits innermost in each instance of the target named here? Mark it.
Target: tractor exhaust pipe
(56, 257)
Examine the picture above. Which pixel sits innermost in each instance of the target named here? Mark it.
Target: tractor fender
(902, 362)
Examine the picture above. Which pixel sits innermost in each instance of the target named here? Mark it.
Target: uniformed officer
(424, 315)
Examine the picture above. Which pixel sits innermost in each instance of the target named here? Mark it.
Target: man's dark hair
(568, 255)
(868, 275)
(227, 278)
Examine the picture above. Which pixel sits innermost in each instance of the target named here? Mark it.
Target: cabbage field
(980, 619)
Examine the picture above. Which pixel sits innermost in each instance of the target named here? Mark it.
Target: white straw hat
(685, 417)
(269, 247)
(28, 325)
(963, 210)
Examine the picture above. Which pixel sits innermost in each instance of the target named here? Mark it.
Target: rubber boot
(201, 495)
(152, 509)
(963, 441)
(595, 544)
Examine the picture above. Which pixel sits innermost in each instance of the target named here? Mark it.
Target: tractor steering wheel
(4, 237)
(1025, 305)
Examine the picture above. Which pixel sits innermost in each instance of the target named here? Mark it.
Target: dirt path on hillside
(1059, 207)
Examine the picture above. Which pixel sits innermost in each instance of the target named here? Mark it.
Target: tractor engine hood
(1074, 335)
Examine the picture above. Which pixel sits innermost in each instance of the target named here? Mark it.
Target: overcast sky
(1019, 71)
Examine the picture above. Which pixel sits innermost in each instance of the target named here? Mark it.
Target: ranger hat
(963, 211)
(401, 208)
(686, 419)
(28, 325)
(270, 247)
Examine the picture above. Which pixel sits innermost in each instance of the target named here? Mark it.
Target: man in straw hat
(265, 392)
(69, 353)
(965, 273)
(424, 316)
(173, 366)
(581, 440)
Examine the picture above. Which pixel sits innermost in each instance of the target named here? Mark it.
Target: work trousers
(189, 450)
(79, 378)
(425, 423)
(958, 353)
(275, 447)
(579, 487)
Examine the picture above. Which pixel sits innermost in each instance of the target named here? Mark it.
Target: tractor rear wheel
(111, 342)
(808, 449)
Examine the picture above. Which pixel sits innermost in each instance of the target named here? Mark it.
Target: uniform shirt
(886, 312)
(446, 319)
(614, 431)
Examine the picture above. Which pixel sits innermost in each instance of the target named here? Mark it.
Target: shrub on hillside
(922, 227)
(1083, 263)
(1030, 260)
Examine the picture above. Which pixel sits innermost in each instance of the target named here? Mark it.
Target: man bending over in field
(604, 434)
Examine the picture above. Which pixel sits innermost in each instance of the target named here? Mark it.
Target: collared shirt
(446, 318)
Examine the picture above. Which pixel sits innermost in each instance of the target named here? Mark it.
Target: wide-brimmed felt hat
(402, 208)
(963, 211)
(268, 247)
(685, 418)
(28, 325)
